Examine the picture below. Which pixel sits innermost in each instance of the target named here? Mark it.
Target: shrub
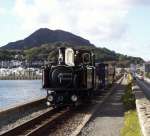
(147, 74)
(129, 98)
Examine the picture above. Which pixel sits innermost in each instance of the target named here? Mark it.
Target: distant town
(17, 69)
(23, 69)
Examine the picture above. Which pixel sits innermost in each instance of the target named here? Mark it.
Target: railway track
(43, 124)
(38, 125)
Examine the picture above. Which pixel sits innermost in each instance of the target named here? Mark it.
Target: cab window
(86, 58)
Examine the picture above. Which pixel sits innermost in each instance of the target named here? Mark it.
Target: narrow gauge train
(74, 77)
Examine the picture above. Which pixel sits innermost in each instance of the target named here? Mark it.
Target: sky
(119, 25)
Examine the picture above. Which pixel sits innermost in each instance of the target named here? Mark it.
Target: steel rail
(36, 125)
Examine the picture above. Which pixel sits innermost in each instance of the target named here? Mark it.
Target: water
(18, 91)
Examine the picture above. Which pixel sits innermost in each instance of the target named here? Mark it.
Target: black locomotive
(73, 77)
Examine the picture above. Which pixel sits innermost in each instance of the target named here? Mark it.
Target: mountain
(44, 36)
(41, 45)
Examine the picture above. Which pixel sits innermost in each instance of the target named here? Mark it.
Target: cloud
(103, 22)
(2, 11)
(133, 48)
(142, 2)
(130, 46)
(94, 19)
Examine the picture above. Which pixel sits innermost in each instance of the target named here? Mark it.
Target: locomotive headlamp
(74, 98)
(48, 103)
(50, 98)
(49, 91)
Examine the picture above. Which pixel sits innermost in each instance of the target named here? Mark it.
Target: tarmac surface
(109, 119)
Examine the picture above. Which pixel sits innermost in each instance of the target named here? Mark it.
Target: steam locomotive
(73, 77)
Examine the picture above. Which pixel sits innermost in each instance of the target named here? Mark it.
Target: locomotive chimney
(61, 58)
(93, 58)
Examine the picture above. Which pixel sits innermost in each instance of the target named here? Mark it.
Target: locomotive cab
(70, 78)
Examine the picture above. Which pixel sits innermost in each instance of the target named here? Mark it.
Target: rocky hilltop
(44, 36)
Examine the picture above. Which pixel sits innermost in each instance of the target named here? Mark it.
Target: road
(145, 86)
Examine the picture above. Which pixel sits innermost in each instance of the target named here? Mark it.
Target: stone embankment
(143, 110)
(36, 77)
(17, 114)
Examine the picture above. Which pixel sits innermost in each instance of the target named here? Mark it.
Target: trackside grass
(131, 124)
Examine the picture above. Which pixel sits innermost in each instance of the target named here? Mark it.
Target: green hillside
(48, 52)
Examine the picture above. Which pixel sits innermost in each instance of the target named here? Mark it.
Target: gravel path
(108, 120)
